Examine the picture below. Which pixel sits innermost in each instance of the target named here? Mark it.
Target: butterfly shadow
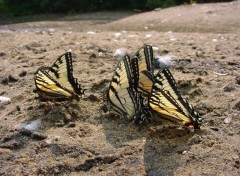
(165, 145)
(162, 145)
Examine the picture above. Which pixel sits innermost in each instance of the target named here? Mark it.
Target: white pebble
(90, 32)
(101, 54)
(5, 100)
(48, 141)
(148, 35)
(51, 30)
(227, 120)
(117, 34)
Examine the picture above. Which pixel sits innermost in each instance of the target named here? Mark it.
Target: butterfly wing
(143, 61)
(49, 88)
(119, 97)
(167, 100)
(62, 72)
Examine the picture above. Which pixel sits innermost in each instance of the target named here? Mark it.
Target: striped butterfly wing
(119, 97)
(122, 98)
(142, 112)
(143, 61)
(62, 72)
(168, 102)
(49, 88)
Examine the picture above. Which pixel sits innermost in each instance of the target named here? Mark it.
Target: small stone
(214, 128)
(2, 54)
(93, 98)
(5, 100)
(117, 34)
(12, 79)
(229, 88)
(227, 120)
(232, 63)
(90, 33)
(237, 106)
(23, 73)
(101, 54)
(93, 55)
(18, 108)
(5, 81)
(199, 53)
(103, 50)
(237, 164)
(237, 79)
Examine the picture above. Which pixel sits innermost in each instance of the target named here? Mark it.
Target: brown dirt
(84, 140)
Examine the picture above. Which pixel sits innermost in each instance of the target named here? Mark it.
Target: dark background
(30, 7)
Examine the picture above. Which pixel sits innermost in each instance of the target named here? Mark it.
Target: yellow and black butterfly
(57, 81)
(166, 99)
(143, 60)
(122, 99)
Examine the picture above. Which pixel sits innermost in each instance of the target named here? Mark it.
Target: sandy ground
(83, 139)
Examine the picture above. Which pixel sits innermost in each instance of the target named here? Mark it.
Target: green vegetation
(29, 7)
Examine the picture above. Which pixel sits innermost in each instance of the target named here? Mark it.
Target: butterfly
(122, 98)
(166, 100)
(57, 81)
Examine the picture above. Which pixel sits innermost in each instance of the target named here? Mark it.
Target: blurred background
(30, 7)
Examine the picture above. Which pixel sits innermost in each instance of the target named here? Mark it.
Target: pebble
(12, 79)
(93, 98)
(23, 73)
(148, 35)
(199, 53)
(117, 34)
(90, 32)
(214, 128)
(2, 54)
(237, 79)
(101, 54)
(5, 100)
(237, 106)
(229, 88)
(227, 120)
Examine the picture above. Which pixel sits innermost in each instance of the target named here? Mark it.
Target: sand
(82, 138)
